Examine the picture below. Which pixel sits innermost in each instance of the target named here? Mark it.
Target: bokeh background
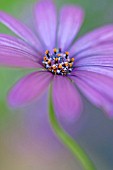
(27, 141)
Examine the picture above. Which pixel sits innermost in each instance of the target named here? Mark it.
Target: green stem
(71, 144)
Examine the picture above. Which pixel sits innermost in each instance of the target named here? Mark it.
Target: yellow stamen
(56, 59)
(59, 55)
(47, 52)
(72, 59)
(66, 64)
(45, 58)
(70, 64)
(67, 53)
(60, 66)
(49, 61)
(55, 50)
(58, 63)
(54, 67)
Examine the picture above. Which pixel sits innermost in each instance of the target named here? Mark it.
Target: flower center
(57, 62)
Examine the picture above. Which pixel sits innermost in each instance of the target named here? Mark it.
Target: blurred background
(26, 139)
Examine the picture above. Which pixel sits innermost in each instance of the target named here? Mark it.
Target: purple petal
(102, 60)
(45, 13)
(103, 49)
(71, 19)
(29, 88)
(98, 63)
(95, 97)
(98, 88)
(92, 39)
(66, 99)
(20, 29)
(98, 59)
(15, 42)
(105, 70)
(16, 53)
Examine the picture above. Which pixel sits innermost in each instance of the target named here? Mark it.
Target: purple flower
(88, 63)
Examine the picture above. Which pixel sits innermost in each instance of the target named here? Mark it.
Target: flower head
(58, 63)
(88, 63)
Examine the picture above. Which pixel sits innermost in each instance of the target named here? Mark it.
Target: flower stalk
(67, 140)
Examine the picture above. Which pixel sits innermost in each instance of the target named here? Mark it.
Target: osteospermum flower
(88, 63)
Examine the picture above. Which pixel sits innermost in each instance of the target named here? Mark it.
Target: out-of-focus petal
(103, 49)
(95, 97)
(105, 70)
(66, 99)
(46, 21)
(15, 42)
(16, 53)
(71, 19)
(97, 87)
(92, 39)
(98, 59)
(20, 29)
(29, 88)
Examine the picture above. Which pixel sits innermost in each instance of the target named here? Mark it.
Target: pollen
(45, 58)
(47, 52)
(72, 59)
(70, 65)
(66, 64)
(59, 55)
(56, 59)
(54, 67)
(58, 62)
(67, 53)
(60, 66)
(49, 62)
(55, 50)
